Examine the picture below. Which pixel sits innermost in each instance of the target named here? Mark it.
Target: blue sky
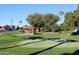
(19, 12)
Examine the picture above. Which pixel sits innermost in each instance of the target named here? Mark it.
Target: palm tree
(11, 21)
(77, 6)
(20, 23)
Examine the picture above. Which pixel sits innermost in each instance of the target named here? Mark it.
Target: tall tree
(69, 21)
(62, 27)
(39, 21)
(78, 6)
(50, 20)
(36, 20)
(20, 22)
(76, 17)
(72, 19)
(61, 13)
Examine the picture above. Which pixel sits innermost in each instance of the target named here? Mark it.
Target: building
(2, 28)
(7, 28)
(27, 29)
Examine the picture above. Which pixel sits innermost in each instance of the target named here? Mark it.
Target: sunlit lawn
(12, 39)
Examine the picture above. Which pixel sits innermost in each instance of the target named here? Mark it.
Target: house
(27, 29)
(7, 28)
(2, 28)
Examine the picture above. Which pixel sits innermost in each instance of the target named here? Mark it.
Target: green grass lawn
(14, 43)
(61, 49)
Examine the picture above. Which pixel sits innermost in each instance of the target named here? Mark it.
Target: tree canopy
(42, 20)
(71, 20)
(61, 13)
(50, 20)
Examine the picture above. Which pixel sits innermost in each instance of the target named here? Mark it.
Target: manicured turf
(15, 43)
(68, 48)
(30, 48)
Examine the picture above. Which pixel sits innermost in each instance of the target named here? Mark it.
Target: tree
(36, 20)
(7, 28)
(76, 17)
(61, 13)
(55, 28)
(69, 21)
(17, 28)
(13, 27)
(20, 23)
(77, 6)
(62, 27)
(50, 20)
(39, 21)
(72, 20)
(0, 27)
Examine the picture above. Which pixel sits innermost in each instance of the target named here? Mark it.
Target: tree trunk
(39, 29)
(34, 30)
(76, 25)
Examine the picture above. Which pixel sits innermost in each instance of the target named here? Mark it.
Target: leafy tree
(39, 21)
(77, 6)
(7, 28)
(76, 17)
(17, 28)
(72, 20)
(62, 27)
(69, 21)
(13, 27)
(55, 28)
(36, 20)
(50, 20)
(61, 13)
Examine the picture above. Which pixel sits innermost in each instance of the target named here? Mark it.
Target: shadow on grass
(71, 40)
(35, 53)
(75, 53)
(59, 40)
(33, 38)
(75, 33)
(52, 38)
(41, 39)
(21, 44)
